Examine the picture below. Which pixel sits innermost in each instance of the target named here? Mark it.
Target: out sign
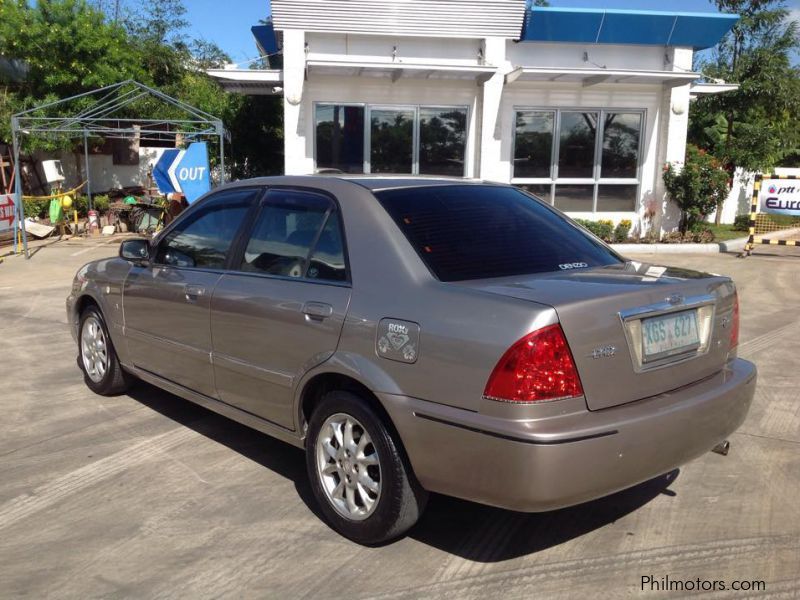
(191, 173)
(184, 171)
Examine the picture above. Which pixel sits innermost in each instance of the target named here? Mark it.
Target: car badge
(398, 340)
(675, 299)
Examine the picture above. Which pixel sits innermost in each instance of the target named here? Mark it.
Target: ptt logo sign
(779, 197)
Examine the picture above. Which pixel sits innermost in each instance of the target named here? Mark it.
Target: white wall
(571, 56)
(333, 46)
(105, 175)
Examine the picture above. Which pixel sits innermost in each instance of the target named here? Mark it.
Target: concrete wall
(105, 175)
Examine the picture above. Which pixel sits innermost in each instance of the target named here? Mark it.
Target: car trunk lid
(604, 313)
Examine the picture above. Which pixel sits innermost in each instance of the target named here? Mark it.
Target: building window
(442, 141)
(534, 144)
(391, 148)
(340, 137)
(428, 140)
(579, 160)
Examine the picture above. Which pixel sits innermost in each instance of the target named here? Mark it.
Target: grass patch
(723, 233)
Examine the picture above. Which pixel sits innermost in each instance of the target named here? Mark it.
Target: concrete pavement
(149, 496)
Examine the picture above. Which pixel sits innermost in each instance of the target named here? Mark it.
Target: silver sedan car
(421, 335)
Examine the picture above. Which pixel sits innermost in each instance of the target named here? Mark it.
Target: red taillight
(537, 367)
(735, 323)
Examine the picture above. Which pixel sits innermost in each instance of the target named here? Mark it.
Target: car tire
(97, 357)
(344, 472)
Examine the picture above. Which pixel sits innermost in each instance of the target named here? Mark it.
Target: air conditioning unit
(53, 173)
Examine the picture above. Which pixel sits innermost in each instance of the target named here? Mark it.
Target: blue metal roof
(265, 38)
(609, 26)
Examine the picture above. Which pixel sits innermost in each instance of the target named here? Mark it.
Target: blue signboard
(161, 171)
(184, 171)
(192, 171)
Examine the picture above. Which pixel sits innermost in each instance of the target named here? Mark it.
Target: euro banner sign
(774, 208)
(8, 211)
(780, 197)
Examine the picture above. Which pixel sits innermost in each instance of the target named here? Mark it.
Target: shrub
(741, 223)
(698, 187)
(35, 208)
(704, 236)
(672, 237)
(602, 229)
(622, 230)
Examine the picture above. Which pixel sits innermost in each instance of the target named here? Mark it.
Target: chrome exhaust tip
(722, 448)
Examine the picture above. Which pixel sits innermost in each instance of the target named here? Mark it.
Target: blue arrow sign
(161, 171)
(191, 171)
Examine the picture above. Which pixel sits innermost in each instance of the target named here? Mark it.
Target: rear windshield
(481, 231)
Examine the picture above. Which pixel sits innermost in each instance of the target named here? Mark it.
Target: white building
(581, 106)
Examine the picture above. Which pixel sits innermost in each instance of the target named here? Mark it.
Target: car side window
(204, 237)
(296, 234)
(326, 261)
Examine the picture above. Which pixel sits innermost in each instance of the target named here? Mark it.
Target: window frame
(237, 253)
(596, 180)
(160, 239)
(368, 107)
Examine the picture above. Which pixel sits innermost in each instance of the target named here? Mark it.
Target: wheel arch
(83, 302)
(315, 387)
(323, 382)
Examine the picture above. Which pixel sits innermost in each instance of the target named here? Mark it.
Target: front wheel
(357, 472)
(98, 359)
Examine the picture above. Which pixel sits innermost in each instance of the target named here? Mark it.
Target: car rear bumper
(532, 466)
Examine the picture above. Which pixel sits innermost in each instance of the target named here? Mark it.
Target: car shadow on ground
(465, 529)
(486, 534)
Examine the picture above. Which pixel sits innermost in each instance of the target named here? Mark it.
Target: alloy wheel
(94, 349)
(348, 467)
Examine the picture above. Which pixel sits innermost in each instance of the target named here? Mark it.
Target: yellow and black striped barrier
(760, 222)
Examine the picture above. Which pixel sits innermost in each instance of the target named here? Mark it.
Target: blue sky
(228, 23)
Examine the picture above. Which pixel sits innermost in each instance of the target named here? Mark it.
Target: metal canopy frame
(99, 120)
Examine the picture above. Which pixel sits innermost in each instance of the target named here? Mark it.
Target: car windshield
(479, 231)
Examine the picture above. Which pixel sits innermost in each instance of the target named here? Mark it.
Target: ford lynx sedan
(421, 335)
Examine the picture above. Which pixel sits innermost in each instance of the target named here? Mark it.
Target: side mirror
(137, 251)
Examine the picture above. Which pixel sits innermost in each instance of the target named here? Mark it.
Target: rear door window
(466, 232)
(296, 234)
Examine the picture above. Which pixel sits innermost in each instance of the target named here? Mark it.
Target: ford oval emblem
(675, 299)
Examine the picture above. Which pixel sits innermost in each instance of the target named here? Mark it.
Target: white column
(673, 129)
(298, 158)
(491, 166)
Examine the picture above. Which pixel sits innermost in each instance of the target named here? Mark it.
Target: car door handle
(193, 292)
(317, 310)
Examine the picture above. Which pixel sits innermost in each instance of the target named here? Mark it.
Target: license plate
(669, 335)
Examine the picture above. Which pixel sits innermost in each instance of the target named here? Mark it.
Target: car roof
(376, 182)
(373, 183)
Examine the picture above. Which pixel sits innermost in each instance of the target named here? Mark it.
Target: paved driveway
(147, 495)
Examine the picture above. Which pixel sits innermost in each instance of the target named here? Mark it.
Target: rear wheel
(357, 472)
(102, 371)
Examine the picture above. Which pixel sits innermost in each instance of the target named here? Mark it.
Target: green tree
(67, 47)
(754, 127)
